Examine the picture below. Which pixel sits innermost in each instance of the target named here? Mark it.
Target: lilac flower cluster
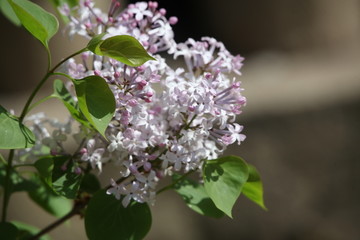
(166, 119)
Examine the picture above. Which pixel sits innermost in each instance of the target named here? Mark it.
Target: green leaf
(96, 101)
(14, 134)
(17, 182)
(66, 183)
(124, 48)
(9, 13)
(223, 180)
(253, 188)
(106, 218)
(48, 200)
(26, 231)
(90, 183)
(64, 95)
(196, 198)
(94, 43)
(45, 167)
(40, 23)
(8, 231)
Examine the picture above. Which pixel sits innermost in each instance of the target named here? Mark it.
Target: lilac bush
(138, 114)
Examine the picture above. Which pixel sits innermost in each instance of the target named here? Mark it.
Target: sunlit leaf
(96, 101)
(124, 48)
(196, 198)
(253, 188)
(223, 180)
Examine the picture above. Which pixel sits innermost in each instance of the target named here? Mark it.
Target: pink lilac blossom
(166, 119)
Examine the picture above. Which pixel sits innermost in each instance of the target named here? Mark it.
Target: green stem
(3, 160)
(43, 80)
(62, 74)
(9, 167)
(7, 192)
(78, 207)
(174, 183)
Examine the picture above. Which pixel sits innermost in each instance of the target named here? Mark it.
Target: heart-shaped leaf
(196, 198)
(223, 180)
(106, 218)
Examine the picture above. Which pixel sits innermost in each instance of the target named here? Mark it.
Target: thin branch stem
(9, 167)
(7, 191)
(175, 182)
(62, 74)
(76, 210)
(43, 80)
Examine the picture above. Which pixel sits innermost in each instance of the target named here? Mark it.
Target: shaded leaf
(90, 183)
(253, 188)
(17, 182)
(223, 180)
(196, 198)
(106, 218)
(66, 183)
(40, 23)
(8, 231)
(96, 101)
(14, 134)
(45, 167)
(124, 48)
(9, 13)
(48, 200)
(58, 173)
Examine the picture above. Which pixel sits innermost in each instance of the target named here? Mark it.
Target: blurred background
(302, 80)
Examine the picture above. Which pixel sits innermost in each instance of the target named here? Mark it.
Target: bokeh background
(302, 80)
